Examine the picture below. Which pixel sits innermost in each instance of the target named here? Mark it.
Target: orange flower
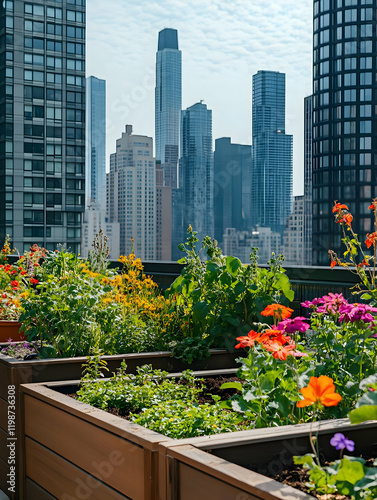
(275, 336)
(371, 239)
(338, 207)
(346, 219)
(277, 311)
(247, 340)
(320, 392)
(279, 351)
(333, 263)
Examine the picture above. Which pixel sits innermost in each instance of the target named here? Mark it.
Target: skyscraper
(308, 180)
(293, 239)
(168, 104)
(196, 169)
(271, 182)
(232, 172)
(42, 123)
(95, 171)
(344, 125)
(132, 194)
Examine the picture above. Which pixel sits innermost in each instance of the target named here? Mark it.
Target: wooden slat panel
(208, 468)
(99, 452)
(4, 377)
(62, 479)
(193, 484)
(3, 415)
(35, 492)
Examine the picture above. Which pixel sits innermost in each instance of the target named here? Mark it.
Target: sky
(223, 44)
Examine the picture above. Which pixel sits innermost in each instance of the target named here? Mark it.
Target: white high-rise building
(293, 238)
(132, 194)
(95, 165)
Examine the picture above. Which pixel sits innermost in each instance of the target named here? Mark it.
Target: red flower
(247, 340)
(14, 283)
(33, 281)
(338, 207)
(320, 392)
(362, 264)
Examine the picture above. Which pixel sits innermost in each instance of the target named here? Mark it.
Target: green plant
(153, 400)
(220, 299)
(366, 406)
(64, 311)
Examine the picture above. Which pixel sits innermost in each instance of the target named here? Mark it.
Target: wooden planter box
(70, 448)
(14, 372)
(10, 330)
(218, 467)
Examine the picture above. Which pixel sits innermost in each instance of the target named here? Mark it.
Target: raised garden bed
(72, 448)
(234, 465)
(14, 372)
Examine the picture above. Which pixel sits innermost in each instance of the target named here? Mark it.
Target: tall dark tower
(344, 125)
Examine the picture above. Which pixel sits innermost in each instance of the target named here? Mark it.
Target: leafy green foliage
(348, 476)
(153, 400)
(220, 299)
(366, 406)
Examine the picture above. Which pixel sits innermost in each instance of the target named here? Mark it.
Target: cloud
(222, 43)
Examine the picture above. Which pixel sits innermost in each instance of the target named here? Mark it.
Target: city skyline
(219, 57)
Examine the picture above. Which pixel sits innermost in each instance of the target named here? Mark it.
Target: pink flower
(293, 325)
(351, 313)
(313, 303)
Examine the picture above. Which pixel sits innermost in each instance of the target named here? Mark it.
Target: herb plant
(162, 404)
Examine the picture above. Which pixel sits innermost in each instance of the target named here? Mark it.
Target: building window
(34, 26)
(33, 43)
(33, 9)
(78, 17)
(33, 76)
(54, 29)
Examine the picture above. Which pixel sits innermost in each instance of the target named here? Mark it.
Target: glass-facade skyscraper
(95, 172)
(42, 122)
(168, 104)
(344, 118)
(271, 180)
(196, 170)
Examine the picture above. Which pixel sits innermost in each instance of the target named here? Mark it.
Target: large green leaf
(363, 414)
(200, 311)
(232, 265)
(349, 473)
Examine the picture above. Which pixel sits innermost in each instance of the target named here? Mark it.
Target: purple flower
(356, 312)
(293, 325)
(339, 441)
